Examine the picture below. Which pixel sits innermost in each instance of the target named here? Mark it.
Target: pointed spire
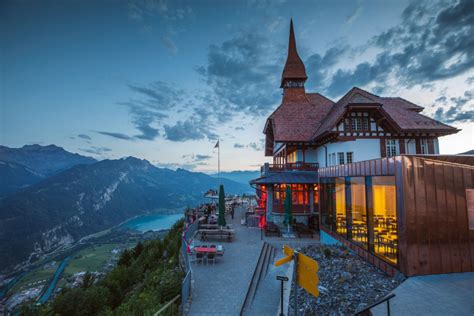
(294, 68)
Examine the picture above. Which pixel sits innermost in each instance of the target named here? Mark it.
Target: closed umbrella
(288, 207)
(221, 218)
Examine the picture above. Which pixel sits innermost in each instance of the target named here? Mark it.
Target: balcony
(290, 166)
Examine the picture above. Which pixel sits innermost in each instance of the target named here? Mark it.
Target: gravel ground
(346, 283)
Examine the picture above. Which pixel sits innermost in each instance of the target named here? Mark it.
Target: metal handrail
(167, 305)
(383, 299)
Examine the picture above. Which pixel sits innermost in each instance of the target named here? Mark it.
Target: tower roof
(294, 67)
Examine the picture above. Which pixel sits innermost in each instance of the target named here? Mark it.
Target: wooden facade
(433, 230)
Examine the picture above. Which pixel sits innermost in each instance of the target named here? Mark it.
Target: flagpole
(219, 161)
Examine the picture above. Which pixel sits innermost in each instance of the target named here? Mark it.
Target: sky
(163, 80)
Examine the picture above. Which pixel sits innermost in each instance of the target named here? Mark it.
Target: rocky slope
(89, 198)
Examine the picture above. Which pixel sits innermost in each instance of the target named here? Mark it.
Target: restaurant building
(364, 168)
(413, 214)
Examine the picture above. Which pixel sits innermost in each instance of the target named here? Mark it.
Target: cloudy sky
(162, 80)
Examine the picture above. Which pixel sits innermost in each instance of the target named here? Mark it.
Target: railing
(186, 284)
(366, 310)
(185, 290)
(290, 166)
(167, 305)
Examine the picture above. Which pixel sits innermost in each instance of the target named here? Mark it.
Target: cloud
(243, 74)
(162, 16)
(115, 135)
(169, 44)
(354, 15)
(461, 108)
(257, 146)
(237, 145)
(467, 97)
(452, 115)
(151, 106)
(174, 165)
(189, 129)
(239, 128)
(254, 146)
(433, 42)
(202, 157)
(96, 150)
(193, 159)
(84, 136)
(318, 66)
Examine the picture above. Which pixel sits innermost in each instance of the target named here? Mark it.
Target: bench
(272, 229)
(208, 234)
(302, 230)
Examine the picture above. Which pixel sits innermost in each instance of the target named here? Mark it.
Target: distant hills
(241, 176)
(86, 198)
(21, 167)
(43, 160)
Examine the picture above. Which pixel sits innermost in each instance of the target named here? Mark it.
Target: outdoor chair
(211, 257)
(199, 258)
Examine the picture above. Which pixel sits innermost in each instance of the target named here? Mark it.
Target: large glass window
(340, 197)
(358, 211)
(384, 201)
(327, 203)
(299, 197)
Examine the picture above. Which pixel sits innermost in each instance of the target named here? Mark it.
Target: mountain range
(241, 176)
(48, 212)
(21, 167)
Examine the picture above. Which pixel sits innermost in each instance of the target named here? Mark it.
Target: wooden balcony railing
(290, 166)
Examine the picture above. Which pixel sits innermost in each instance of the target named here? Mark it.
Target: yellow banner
(306, 270)
(283, 261)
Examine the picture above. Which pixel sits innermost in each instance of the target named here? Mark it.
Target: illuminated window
(327, 203)
(385, 217)
(349, 156)
(358, 211)
(340, 158)
(392, 147)
(340, 197)
(299, 197)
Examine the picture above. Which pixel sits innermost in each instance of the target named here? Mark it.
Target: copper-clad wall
(432, 215)
(436, 237)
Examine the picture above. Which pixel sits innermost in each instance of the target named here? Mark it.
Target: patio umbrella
(288, 207)
(221, 218)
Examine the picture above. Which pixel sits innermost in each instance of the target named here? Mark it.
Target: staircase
(266, 258)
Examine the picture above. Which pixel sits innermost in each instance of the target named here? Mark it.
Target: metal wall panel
(433, 230)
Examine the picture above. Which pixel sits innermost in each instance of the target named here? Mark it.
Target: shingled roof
(294, 66)
(299, 116)
(403, 114)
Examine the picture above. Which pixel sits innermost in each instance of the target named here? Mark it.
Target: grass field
(34, 276)
(92, 258)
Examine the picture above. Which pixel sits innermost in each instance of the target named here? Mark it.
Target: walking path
(220, 289)
(442, 294)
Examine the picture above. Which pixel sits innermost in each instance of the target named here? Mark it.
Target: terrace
(289, 166)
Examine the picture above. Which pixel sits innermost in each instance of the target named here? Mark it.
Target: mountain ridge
(88, 198)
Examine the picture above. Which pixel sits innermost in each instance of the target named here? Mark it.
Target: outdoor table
(205, 249)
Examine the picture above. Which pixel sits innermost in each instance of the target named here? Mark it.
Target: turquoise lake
(152, 222)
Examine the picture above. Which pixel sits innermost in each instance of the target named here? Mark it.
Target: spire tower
(294, 73)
